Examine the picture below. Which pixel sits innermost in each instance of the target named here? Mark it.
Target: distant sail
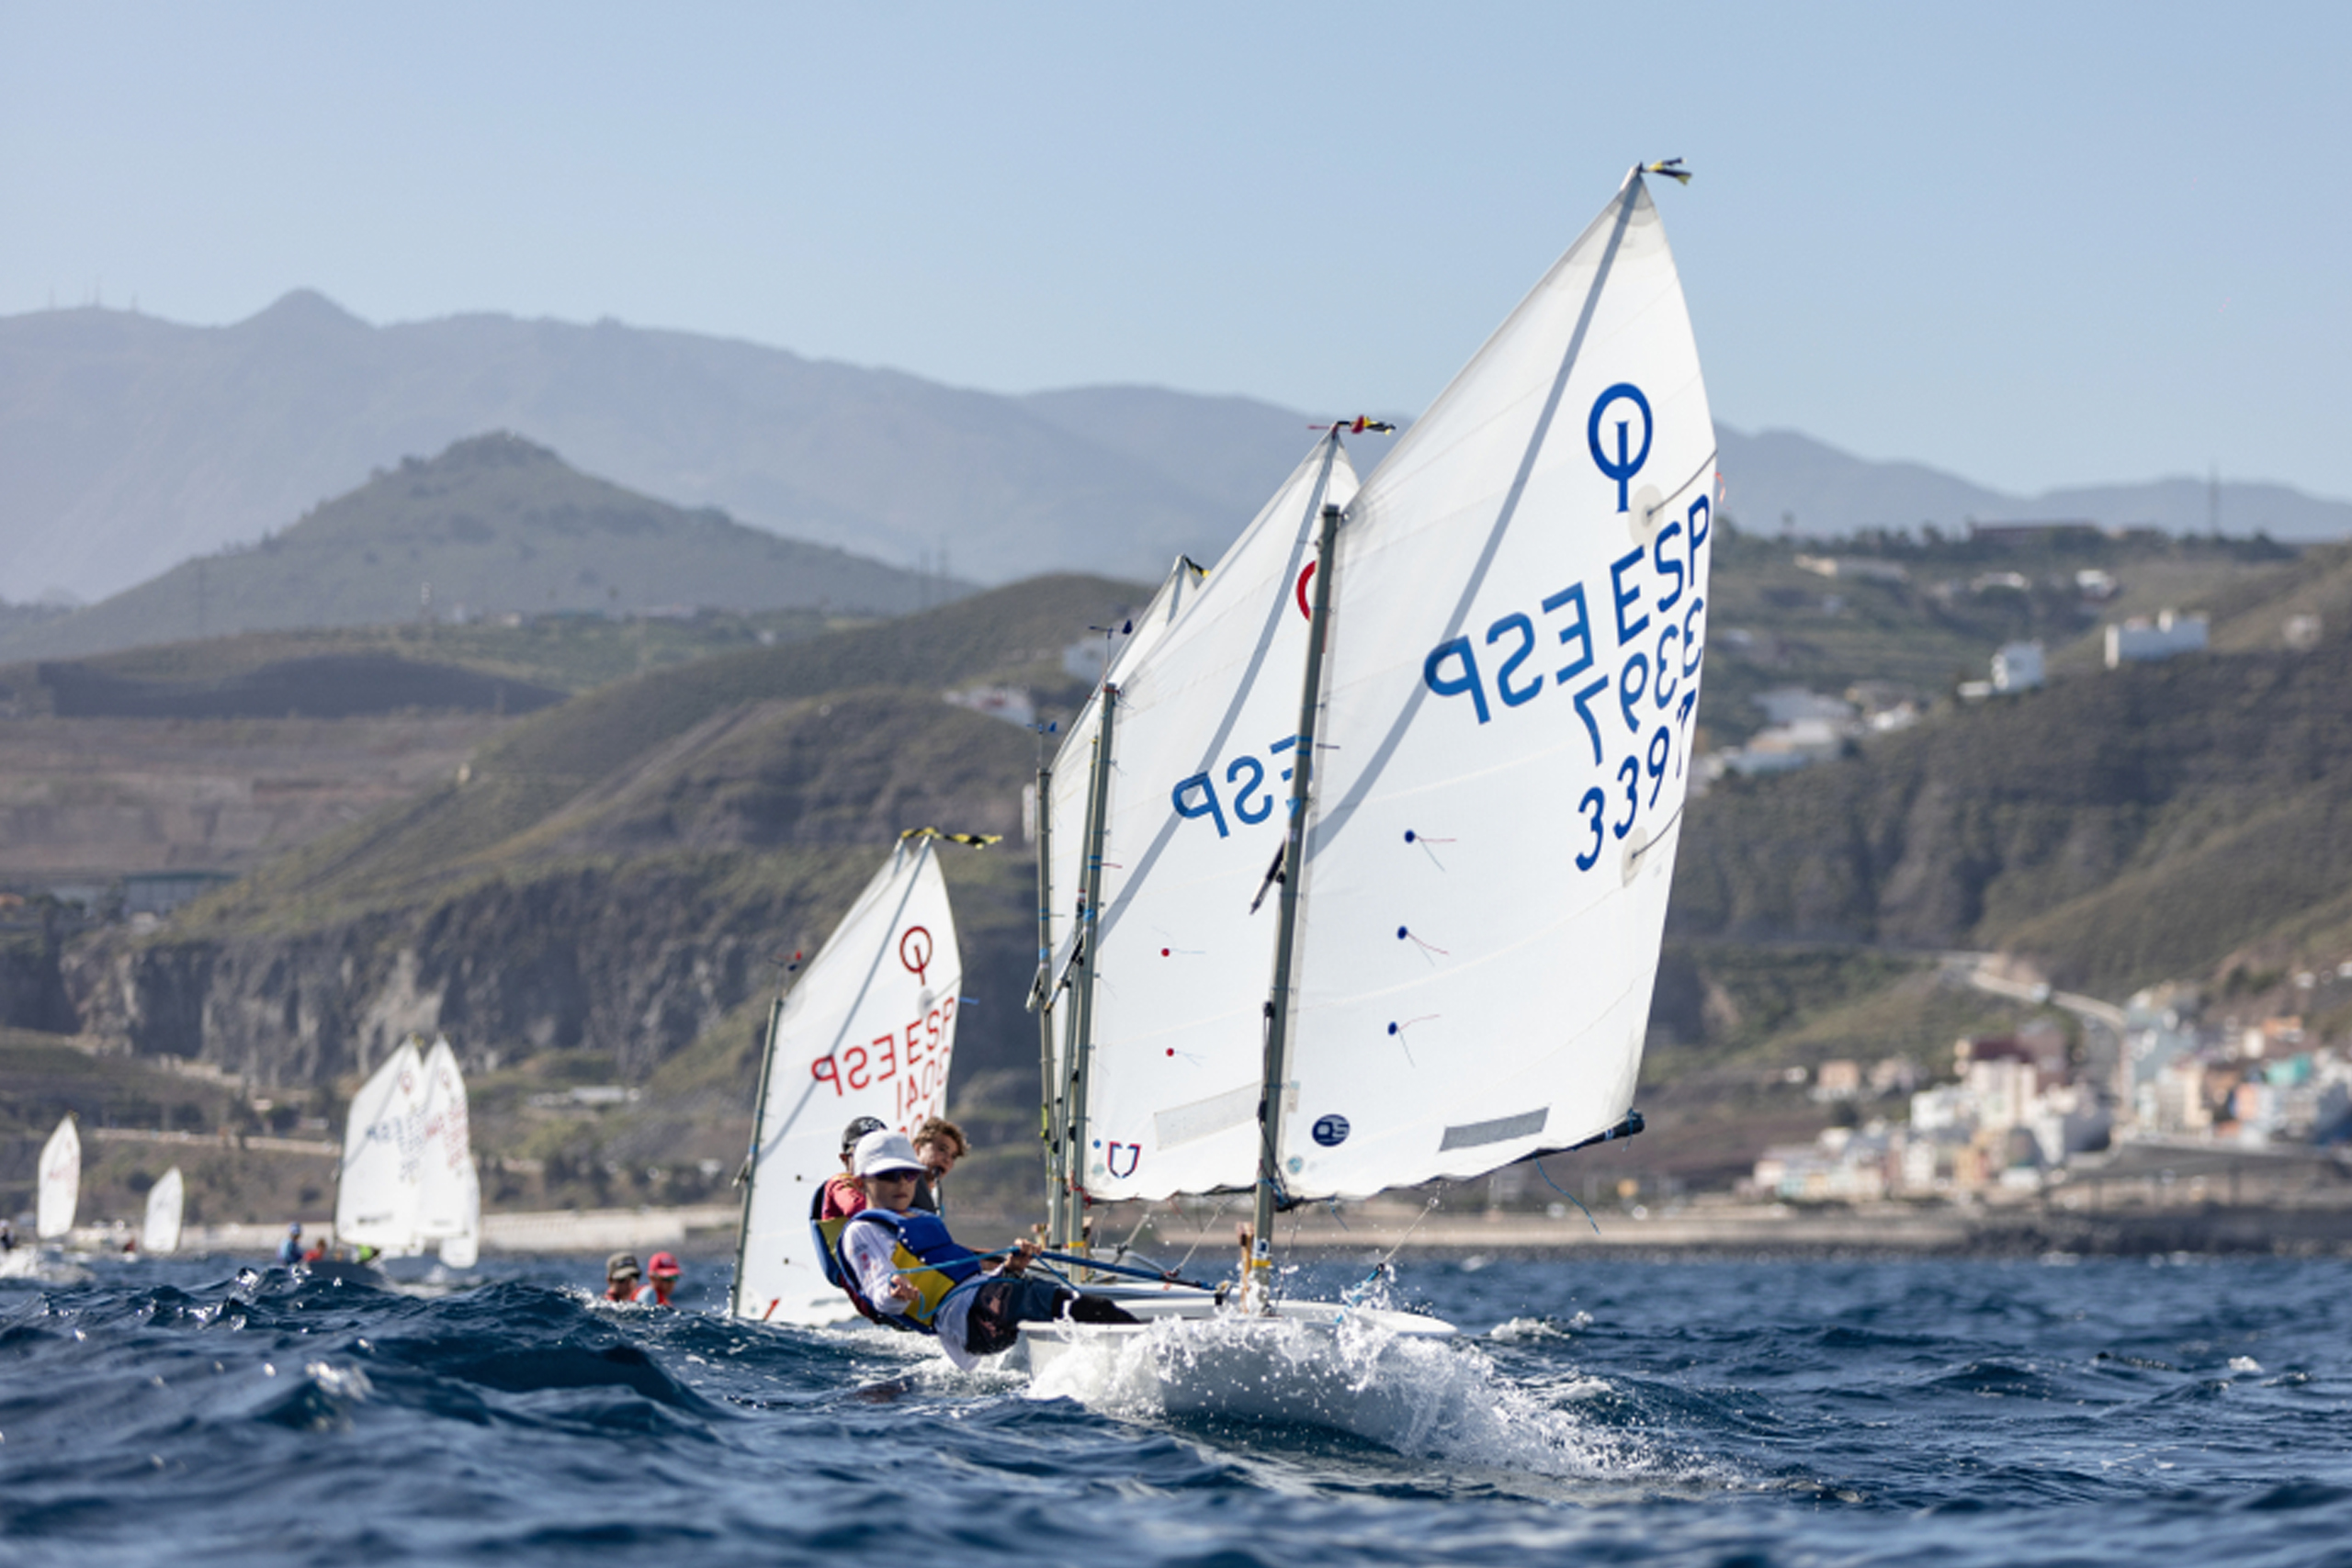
(1203, 739)
(868, 1031)
(448, 1208)
(464, 1249)
(1131, 645)
(161, 1234)
(1513, 671)
(1073, 775)
(61, 1180)
(378, 1195)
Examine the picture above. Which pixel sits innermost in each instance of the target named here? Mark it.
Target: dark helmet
(858, 1129)
(621, 1266)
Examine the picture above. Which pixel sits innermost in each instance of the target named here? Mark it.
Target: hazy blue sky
(2035, 243)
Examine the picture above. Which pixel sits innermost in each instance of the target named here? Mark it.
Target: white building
(2137, 641)
(2016, 667)
(1798, 705)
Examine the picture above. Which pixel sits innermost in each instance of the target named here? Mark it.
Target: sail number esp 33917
(1633, 635)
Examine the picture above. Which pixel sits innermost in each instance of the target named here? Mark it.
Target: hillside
(2120, 827)
(1927, 610)
(558, 653)
(493, 527)
(610, 881)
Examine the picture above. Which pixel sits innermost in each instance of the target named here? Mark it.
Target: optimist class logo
(915, 952)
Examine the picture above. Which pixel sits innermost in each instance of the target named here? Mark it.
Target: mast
(751, 1159)
(1278, 1008)
(1081, 1020)
(1049, 1125)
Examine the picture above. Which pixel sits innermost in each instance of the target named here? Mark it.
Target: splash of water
(1422, 1397)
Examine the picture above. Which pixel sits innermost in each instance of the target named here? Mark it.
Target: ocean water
(2182, 1410)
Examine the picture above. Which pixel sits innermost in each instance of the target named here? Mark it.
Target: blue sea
(2175, 1410)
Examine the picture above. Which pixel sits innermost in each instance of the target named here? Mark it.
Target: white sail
(61, 1180)
(868, 1031)
(383, 1158)
(448, 1202)
(1073, 761)
(464, 1249)
(1203, 737)
(161, 1234)
(1513, 669)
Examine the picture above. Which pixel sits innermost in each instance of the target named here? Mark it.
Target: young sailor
(833, 1203)
(902, 1268)
(661, 1273)
(620, 1277)
(939, 1144)
(840, 1196)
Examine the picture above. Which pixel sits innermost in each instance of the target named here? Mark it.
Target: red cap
(663, 1265)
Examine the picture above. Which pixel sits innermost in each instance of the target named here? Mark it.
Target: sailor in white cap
(904, 1271)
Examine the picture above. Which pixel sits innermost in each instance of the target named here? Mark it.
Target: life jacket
(933, 1261)
(827, 1235)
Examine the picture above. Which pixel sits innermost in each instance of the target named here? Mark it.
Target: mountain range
(128, 444)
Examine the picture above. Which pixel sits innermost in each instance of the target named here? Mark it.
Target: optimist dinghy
(868, 1031)
(408, 1181)
(1467, 811)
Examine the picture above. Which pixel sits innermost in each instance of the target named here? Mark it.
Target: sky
(2034, 245)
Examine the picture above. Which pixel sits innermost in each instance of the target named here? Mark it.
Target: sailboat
(60, 1181)
(408, 1179)
(869, 1030)
(1465, 811)
(160, 1236)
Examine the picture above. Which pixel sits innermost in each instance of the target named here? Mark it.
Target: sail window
(1472, 1135)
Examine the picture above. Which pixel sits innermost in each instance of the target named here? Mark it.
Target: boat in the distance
(1451, 847)
(408, 1181)
(59, 1192)
(868, 1030)
(160, 1236)
(60, 1181)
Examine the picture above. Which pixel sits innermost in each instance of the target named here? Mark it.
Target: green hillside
(2121, 826)
(546, 786)
(494, 527)
(560, 653)
(1775, 623)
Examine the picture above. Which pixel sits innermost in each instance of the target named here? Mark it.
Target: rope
(1222, 1205)
(1565, 1193)
(1129, 1269)
(1401, 1240)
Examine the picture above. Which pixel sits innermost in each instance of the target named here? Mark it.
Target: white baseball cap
(880, 1152)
